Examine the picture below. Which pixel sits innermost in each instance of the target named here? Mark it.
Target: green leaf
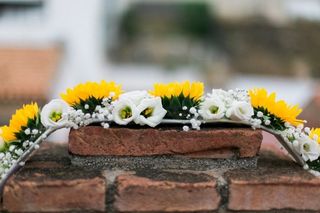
(187, 102)
(175, 104)
(314, 165)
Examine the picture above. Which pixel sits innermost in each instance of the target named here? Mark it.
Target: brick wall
(50, 183)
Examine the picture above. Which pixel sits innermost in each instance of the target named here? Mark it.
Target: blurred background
(49, 45)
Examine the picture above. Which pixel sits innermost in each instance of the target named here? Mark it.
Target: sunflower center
(55, 116)
(125, 112)
(214, 109)
(148, 112)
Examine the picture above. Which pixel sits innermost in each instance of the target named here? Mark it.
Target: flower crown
(181, 103)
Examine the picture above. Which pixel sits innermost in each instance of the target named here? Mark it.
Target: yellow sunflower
(261, 98)
(192, 90)
(91, 89)
(19, 120)
(316, 132)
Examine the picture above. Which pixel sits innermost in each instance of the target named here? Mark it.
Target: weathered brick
(275, 184)
(166, 192)
(55, 190)
(209, 142)
(50, 155)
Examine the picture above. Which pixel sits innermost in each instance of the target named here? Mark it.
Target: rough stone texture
(166, 192)
(275, 184)
(52, 184)
(161, 162)
(95, 141)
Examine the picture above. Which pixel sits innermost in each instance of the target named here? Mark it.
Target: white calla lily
(53, 113)
(212, 108)
(135, 96)
(150, 112)
(124, 111)
(240, 111)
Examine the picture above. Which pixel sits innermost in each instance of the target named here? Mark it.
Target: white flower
(52, 113)
(135, 96)
(308, 148)
(124, 111)
(150, 112)
(240, 110)
(219, 93)
(212, 108)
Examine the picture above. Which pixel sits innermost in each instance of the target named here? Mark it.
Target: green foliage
(276, 122)
(196, 19)
(92, 102)
(174, 106)
(314, 165)
(190, 19)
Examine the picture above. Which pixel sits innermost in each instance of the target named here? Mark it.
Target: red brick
(90, 141)
(55, 190)
(275, 184)
(166, 193)
(50, 155)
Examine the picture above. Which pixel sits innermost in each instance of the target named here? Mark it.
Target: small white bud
(258, 121)
(8, 155)
(86, 106)
(185, 128)
(25, 144)
(98, 107)
(307, 130)
(87, 116)
(110, 117)
(184, 108)
(260, 114)
(193, 110)
(106, 125)
(11, 148)
(105, 113)
(100, 117)
(44, 136)
(27, 131)
(78, 120)
(19, 152)
(35, 131)
(267, 122)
